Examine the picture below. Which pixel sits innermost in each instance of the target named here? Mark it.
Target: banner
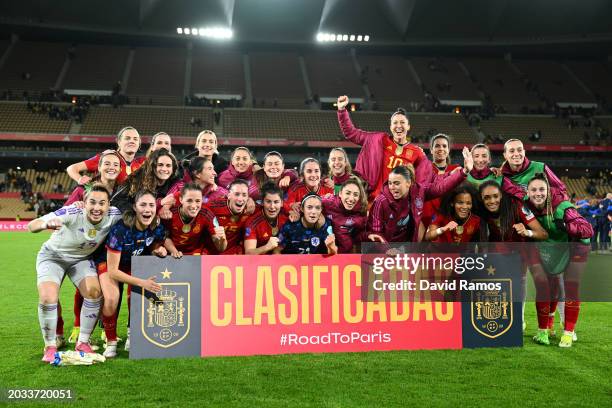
(12, 226)
(228, 305)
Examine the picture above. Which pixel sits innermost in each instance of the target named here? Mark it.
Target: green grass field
(529, 376)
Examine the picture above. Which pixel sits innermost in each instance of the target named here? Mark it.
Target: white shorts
(51, 267)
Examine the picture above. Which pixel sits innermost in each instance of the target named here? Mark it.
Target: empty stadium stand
(105, 120)
(96, 67)
(157, 76)
(333, 74)
(553, 81)
(597, 76)
(277, 77)
(15, 117)
(498, 80)
(390, 82)
(43, 62)
(554, 130)
(217, 71)
(14, 207)
(444, 78)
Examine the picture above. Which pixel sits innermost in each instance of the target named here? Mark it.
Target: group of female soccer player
(207, 205)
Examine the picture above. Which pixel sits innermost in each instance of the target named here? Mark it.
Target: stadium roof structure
(388, 22)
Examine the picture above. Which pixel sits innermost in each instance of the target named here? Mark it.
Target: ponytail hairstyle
(548, 203)
(348, 169)
(400, 111)
(363, 198)
(153, 139)
(260, 175)
(207, 132)
(129, 215)
(448, 141)
(120, 135)
(190, 187)
(406, 171)
(98, 176)
(305, 162)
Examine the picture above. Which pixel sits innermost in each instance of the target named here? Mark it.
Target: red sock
(59, 330)
(110, 327)
(572, 310)
(78, 303)
(572, 304)
(543, 309)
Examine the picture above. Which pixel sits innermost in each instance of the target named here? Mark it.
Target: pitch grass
(529, 376)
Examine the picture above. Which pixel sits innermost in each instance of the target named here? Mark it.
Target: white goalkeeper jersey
(78, 238)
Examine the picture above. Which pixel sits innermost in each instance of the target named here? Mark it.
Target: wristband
(530, 233)
(439, 231)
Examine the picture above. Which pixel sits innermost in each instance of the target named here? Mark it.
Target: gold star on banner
(490, 270)
(166, 274)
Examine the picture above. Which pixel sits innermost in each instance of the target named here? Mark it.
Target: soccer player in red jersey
(160, 140)
(455, 222)
(191, 224)
(128, 143)
(262, 228)
(381, 152)
(232, 216)
(274, 171)
(310, 172)
(439, 146)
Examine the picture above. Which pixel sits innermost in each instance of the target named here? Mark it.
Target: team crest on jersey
(349, 222)
(418, 203)
(166, 317)
(148, 241)
(92, 233)
(491, 310)
(315, 241)
(197, 229)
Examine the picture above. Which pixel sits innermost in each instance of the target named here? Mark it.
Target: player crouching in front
(138, 233)
(78, 232)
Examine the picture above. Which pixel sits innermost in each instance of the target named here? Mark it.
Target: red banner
(271, 305)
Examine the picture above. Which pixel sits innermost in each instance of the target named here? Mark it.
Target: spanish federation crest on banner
(491, 310)
(166, 317)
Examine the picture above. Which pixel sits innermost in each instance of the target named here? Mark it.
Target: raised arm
(349, 130)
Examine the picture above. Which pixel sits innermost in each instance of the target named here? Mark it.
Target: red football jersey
(523, 215)
(463, 233)
(126, 169)
(394, 157)
(299, 190)
(258, 227)
(190, 238)
(233, 224)
(431, 207)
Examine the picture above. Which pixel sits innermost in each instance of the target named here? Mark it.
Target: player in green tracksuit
(559, 258)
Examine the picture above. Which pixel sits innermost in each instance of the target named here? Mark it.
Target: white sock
(47, 318)
(561, 310)
(89, 317)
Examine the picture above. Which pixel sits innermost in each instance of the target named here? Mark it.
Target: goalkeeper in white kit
(78, 233)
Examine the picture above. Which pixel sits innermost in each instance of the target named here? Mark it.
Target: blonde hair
(348, 169)
(122, 131)
(207, 132)
(153, 138)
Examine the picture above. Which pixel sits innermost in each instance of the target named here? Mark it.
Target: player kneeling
(78, 233)
(138, 233)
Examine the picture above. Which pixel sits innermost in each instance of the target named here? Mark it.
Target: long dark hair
(145, 179)
(446, 203)
(129, 215)
(508, 209)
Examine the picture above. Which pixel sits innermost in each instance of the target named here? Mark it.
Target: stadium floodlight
(326, 37)
(187, 31)
(352, 37)
(179, 30)
(332, 37)
(194, 31)
(320, 37)
(359, 37)
(339, 37)
(345, 37)
(366, 38)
